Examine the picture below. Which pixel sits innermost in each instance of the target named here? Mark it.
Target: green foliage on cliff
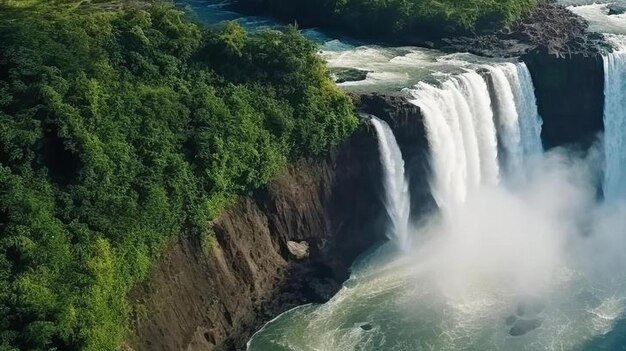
(420, 18)
(120, 128)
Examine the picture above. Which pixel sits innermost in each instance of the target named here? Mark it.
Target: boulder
(366, 327)
(524, 326)
(343, 75)
(299, 251)
(616, 9)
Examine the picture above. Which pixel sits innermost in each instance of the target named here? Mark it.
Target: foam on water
(502, 258)
(599, 19)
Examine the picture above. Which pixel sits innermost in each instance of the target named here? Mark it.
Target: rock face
(258, 267)
(407, 122)
(286, 245)
(550, 29)
(570, 97)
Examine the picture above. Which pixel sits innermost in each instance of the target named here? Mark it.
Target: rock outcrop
(195, 301)
(407, 122)
(616, 9)
(570, 97)
(549, 29)
(257, 268)
(299, 251)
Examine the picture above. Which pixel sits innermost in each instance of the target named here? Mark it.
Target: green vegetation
(413, 18)
(120, 128)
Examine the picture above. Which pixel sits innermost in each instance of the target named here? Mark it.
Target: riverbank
(547, 27)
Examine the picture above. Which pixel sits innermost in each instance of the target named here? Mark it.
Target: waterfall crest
(397, 198)
(507, 117)
(469, 119)
(530, 121)
(461, 133)
(614, 125)
(518, 120)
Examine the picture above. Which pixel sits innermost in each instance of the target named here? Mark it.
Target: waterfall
(459, 124)
(397, 198)
(465, 120)
(507, 118)
(518, 121)
(615, 126)
(530, 121)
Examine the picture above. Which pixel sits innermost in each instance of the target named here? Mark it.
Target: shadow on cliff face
(408, 126)
(215, 302)
(570, 97)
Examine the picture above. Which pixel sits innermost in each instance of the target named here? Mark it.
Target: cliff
(196, 301)
(408, 125)
(570, 97)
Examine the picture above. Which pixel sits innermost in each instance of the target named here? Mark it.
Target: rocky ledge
(549, 29)
(286, 245)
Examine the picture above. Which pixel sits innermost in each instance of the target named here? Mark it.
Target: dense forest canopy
(419, 18)
(122, 126)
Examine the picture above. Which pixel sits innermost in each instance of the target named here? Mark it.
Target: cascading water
(507, 117)
(464, 123)
(615, 126)
(461, 133)
(526, 102)
(518, 121)
(494, 274)
(397, 199)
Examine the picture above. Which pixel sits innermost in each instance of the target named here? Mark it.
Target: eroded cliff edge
(195, 301)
